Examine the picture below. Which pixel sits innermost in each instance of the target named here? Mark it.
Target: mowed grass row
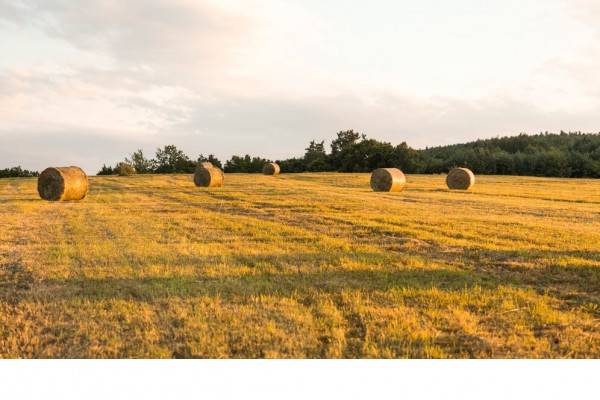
(301, 265)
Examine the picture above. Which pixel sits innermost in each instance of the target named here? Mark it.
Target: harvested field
(306, 265)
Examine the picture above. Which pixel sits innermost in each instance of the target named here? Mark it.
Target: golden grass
(307, 265)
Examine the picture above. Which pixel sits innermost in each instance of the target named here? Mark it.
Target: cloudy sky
(89, 82)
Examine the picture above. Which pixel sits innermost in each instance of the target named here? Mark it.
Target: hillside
(302, 265)
(560, 155)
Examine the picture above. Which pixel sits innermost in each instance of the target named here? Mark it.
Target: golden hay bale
(387, 180)
(208, 177)
(460, 179)
(62, 184)
(271, 169)
(208, 164)
(205, 164)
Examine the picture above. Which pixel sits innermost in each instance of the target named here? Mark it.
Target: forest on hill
(564, 154)
(572, 154)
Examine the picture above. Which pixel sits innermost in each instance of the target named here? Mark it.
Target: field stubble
(306, 265)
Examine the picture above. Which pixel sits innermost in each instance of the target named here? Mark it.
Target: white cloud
(263, 76)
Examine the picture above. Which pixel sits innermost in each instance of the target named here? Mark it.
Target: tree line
(17, 172)
(569, 155)
(572, 154)
(566, 154)
(168, 160)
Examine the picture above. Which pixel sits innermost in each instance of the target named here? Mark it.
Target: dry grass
(308, 265)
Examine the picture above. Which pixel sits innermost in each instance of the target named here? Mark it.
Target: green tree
(170, 160)
(245, 164)
(315, 158)
(340, 146)
(139, 162)
(212, 159)
(124, 169)
(344, 140)
(17, 172)
(106, 170)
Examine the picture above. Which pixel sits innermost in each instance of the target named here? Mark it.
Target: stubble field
(301, 265)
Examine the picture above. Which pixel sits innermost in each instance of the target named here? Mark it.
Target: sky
(88, 83)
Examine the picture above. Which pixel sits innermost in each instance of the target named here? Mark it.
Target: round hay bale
(63, 184)
(460, 179)
(208, 177)
(208, 165)
(387, 180)
(205, 164)
(271, 169)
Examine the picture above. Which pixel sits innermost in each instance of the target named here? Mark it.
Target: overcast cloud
(87, 83)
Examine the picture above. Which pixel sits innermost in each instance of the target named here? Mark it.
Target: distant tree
(124, 169)
(212, 159)
(292, 165)
(340, 146)
(170, 160)
(139, 162)
(315, 158)
(505, 163)
(106, 170)
(567, 154)
(344, 140)
(315, 150)
(408, 159)
(17, 172)
(245, 164)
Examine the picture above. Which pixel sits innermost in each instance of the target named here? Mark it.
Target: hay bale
(460, 179)
(387, 180)
(271, 169)
(63, 184)
(208, 176)
(205, 164)
(208, 164)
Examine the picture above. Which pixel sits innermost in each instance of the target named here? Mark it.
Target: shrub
(124, 169)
